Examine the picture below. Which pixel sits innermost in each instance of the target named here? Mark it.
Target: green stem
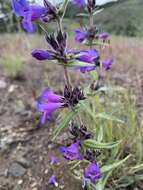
(67, 78)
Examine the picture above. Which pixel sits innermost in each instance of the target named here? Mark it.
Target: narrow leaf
(110, 167)
(99, 145)
(64, 124)
(108, 117)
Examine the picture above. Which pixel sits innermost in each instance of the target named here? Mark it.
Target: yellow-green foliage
(111, 114)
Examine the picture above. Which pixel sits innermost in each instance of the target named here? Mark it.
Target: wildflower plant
(86, 147)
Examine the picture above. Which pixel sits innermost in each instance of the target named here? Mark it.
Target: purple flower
(48, 103)
(79, 3)
(53, 181)
(29, 13)
(103, 36)
(72, 152)
(107, 64)
(88, 56)
(80, 35)
(91, 57)
(87, 69)
(92, 172)
(54, 160)
(42, 54)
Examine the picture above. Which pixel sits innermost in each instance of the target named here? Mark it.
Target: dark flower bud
(91, 5)
(73, 96)
(84, 134)
(58, 43)
(74, 130)
(51, 9)
(67, 92)
(80, 133)
(52, 41)
(92, 33)
(91, 155)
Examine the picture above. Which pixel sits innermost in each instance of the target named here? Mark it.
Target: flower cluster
(75, 152)
(79, 133)
(49, 102)
(90, 34)
(85, 61)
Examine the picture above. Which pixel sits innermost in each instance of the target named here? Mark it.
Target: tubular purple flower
(107, 64)
(80, 35)
(54, 160)
(49, 96)
(29, 13)
(103, 36)
(53, 181)
(72, 152)
(42, 54)
(89, 56)
(48, 103)
(87, 69)
(79, 3)
(92, 172)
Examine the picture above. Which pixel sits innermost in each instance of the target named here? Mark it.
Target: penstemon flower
(80, 35)
(53, 181)
(54, 160)
(92, 172)
(90, 34)
(89, 56)
(30, 13)
(104, 36)
(48, 103)
(58, 51)
(72, 152)
(107, 64)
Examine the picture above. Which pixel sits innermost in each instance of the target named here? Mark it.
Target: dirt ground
(25, 146)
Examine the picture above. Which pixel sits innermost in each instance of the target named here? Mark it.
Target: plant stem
(91, 21)
(91, 24)
(67, 78)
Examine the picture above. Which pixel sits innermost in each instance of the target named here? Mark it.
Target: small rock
(12, 88)
(3, 84)
(33, 184)
(16, 170)
(61, 186)
(46, 171)
(23, 161)
(20, 182)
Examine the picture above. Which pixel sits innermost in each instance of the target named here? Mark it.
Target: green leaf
(96, 43)
(83, 15)
(102, 115)
(110, 167)
(98, 145)
(64, 7)
(77, 63)
(107, 116)
(64, 124)
(98, 11)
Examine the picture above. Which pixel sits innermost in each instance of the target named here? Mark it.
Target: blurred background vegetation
(123, 17)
